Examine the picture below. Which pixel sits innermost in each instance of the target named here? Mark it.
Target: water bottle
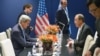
(34, 50)
(60, 37)
(29, 54)
(60, 42)
(61, 34)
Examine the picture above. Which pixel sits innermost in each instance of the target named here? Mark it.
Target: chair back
(87, 43)
(3, 36)
(8, 32)
(7, 48)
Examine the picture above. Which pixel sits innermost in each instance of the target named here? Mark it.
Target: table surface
(65, 51)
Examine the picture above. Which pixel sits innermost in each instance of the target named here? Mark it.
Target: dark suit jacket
(85, 31)
(28, 30)
(18, 41)
(22, 13)
(97, 43)
(61, 17)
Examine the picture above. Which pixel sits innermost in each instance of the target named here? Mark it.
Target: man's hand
(88, 53)
(70, 39)
(70, 43)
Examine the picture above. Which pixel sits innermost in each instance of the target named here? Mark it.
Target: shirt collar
(81, 26)
(21, 26)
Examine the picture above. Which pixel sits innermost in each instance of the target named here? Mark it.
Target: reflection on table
(58, 50)
(38, 51)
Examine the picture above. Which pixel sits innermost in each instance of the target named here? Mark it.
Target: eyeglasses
(93, 10)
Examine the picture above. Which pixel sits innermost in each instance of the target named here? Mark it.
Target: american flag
(42, 18)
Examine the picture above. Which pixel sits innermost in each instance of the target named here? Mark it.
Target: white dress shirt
(79, 30)
(66, 12)
(71, 40)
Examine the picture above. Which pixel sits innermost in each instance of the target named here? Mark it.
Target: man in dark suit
(83, 31)
(94, 9)
(19, 37)
(27, 9)
(62, 17)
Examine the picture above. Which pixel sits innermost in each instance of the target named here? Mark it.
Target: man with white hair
(19, 37)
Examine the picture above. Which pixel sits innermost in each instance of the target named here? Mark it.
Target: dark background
(10, 9)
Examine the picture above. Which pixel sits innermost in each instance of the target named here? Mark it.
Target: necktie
(67, 15)
(24, 36)
(66, 12)
(78, 34)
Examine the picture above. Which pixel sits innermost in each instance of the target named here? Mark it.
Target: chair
(91, 44)
(3, 36)
(7, 48)
(93, 41)
(87, 43)
(61, 25)
(0, 52)
(95, 37)
(8, 32)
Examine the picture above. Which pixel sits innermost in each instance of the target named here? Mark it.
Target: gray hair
(81, 17)
(24, 18)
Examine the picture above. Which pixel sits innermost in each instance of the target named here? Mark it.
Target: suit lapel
(81, 32)
(21, 31)
(64, 14)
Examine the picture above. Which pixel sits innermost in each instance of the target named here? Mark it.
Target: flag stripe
(42, 18)
(45, 20)
(37, 30)
(38, 26)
